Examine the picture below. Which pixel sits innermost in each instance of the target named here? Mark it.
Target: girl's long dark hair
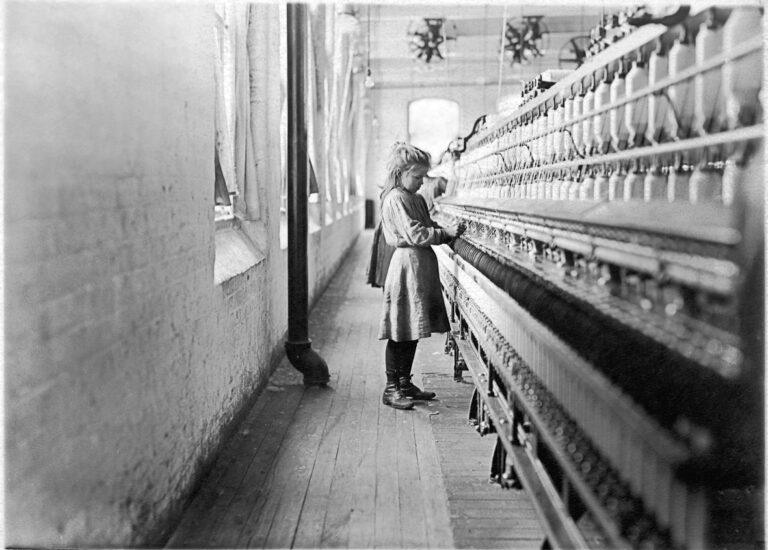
(401, 158)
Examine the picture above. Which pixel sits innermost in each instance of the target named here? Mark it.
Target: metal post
(299, 346)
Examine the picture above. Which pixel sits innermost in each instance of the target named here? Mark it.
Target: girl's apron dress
(413, 303)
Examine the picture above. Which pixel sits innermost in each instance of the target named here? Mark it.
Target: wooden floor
(334, 468)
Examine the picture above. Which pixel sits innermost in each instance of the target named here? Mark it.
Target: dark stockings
(398, 359)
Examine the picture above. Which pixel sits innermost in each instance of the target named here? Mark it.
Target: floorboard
(334, 468)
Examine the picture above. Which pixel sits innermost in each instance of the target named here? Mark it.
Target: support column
(299, 346)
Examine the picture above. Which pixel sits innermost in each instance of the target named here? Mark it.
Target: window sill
(223, 212)
(227, 222)
(235, 253)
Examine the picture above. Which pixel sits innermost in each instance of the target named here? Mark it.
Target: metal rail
(559, 527)
(712, 140)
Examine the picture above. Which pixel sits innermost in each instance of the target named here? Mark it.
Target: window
(225, 183)
(432, 124)
(235, 186)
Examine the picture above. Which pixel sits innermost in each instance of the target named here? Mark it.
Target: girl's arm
(412, 230)
(428, 210)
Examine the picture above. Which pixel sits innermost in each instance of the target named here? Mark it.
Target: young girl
(413, 303)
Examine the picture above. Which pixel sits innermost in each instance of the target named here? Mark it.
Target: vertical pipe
(299, 346)
(297, 176)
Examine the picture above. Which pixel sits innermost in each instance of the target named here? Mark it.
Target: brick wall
(327, 248)
(123, 360)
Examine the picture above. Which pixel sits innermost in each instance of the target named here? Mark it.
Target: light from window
(225, 184)
(432, 124)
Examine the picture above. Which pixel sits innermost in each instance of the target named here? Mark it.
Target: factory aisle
(333, 467)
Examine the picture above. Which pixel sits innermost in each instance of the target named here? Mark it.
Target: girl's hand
(455, 230)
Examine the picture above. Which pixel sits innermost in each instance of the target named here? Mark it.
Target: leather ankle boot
(394, 397)
(409, 389)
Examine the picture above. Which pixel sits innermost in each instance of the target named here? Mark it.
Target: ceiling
(473, 50)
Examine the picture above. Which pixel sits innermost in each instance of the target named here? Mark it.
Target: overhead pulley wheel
(573, 53)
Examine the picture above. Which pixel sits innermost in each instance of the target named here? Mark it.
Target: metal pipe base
(308, 362)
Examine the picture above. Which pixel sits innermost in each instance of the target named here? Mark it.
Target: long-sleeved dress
(413, 303)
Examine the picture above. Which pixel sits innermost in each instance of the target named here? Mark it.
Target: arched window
(432, 124)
